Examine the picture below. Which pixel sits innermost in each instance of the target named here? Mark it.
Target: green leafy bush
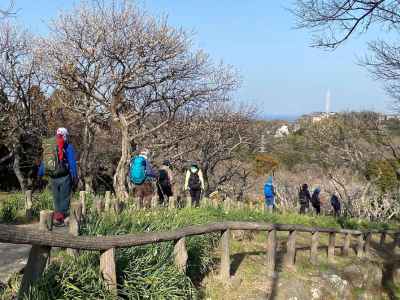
(10, 207)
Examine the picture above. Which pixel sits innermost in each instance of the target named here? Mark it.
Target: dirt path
(13, 258)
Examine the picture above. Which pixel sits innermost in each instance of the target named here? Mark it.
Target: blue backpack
(268, 191)
(137, 172)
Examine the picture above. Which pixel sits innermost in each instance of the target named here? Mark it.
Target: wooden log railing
(43, 239)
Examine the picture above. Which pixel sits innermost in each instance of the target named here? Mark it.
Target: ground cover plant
(148, 272)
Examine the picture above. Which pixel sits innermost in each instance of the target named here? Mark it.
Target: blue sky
(280, 73)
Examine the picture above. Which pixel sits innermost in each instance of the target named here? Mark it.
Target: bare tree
(21, 84)
(141, 70)
(7, 11)
(220, 134)
(76, 68)
(334, 21)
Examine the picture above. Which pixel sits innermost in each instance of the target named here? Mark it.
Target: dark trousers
(61, 188)
(164, 192)
(303, 208)
(336, 212)
(317, 209)
(195, 195)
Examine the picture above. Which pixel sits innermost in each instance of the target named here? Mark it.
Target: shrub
(10, 207)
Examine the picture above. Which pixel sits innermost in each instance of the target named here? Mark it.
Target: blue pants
(62, 188)
(269, 201)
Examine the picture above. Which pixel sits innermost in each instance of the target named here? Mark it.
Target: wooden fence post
(107, 205)
(227, 204)
(331, 246)
(38, 257)
(271, 248)
(180, 255)
(99, 206)
(314, 248)
(346, 245)
(82, 197)
(225, 259)
(382, 240)
(108, 269)
(171, 202)
(118, 206)
(154, 201)
(75, 216)
(360, 245)
(28, 204)
(291, 249)
(188, 201)
(367, 244)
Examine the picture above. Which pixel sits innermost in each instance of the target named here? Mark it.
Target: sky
(280, 73)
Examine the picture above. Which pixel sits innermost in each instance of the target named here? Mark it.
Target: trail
(13, 258)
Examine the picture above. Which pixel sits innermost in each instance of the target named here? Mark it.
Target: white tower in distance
(328, 102)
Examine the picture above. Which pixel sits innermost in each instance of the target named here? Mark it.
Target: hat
(145, 152)
(62, 132)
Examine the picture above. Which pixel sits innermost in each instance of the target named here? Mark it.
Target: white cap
(62, 131)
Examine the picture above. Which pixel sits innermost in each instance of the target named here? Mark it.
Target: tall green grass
(148, 272)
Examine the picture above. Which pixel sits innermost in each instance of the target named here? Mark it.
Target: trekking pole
(162, 193)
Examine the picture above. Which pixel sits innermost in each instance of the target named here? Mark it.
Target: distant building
(282, 131)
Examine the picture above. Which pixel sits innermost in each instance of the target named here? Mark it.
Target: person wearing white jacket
(194, 182)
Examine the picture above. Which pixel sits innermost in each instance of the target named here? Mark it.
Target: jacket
(200, 173)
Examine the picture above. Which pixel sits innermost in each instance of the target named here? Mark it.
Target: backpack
(163, 179)
(194, 181)
(268, 191)
(304, 196)
(315, 199)
(60, 168)
(137, 172)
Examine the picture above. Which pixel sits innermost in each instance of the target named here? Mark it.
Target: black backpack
(163, 178)
(61, 168)
(194, 181)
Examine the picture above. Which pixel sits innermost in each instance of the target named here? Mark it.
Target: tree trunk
(86, 162)
(122, 168)
(17, 167)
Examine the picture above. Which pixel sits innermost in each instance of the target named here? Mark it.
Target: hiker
(194, 182)
(305, 198)
(269, 193)
(316, 201)
(335, 202)
(165, 182)
(39, 182)
(143, 177)
(64, 176)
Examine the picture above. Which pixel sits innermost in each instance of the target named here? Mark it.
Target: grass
(148, 272)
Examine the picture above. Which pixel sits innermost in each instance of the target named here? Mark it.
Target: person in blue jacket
(269, 193)
(64, 177)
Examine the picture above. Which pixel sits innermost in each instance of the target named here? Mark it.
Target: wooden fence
(44, 239)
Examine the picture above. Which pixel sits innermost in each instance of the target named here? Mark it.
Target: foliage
(384, 172)
(264, 164)
(148, 271)
(10, 207)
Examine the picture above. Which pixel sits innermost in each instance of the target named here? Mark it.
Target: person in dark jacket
(165, 182)
(335, 202)
(316, 201)
(64, 176)
(304, 198)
